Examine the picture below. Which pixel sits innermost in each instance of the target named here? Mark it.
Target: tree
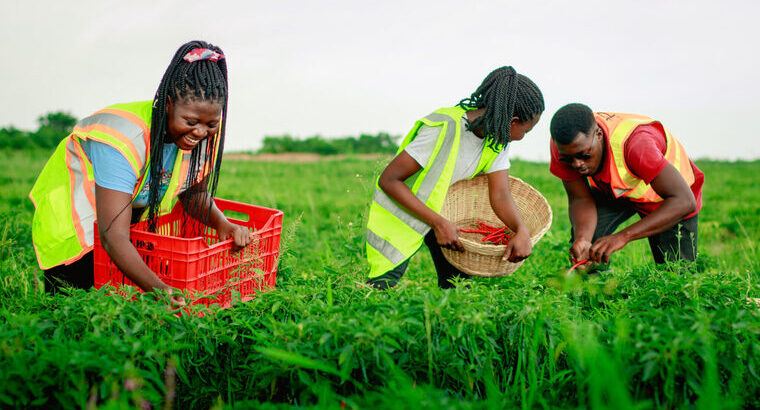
(13, 138)
(54, 126)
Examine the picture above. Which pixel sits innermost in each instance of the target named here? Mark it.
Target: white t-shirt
(470, 149)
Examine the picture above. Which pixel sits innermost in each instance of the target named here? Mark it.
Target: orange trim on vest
(618, 127)
(134, 119)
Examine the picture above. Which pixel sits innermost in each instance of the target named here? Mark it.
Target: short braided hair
(504, 94)
(203, 80)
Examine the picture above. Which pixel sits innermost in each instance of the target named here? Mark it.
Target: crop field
(637, 336)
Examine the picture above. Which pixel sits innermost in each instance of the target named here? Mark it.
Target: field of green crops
(637, 336)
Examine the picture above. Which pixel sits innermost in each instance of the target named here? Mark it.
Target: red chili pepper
(577, 264)
(497, 236)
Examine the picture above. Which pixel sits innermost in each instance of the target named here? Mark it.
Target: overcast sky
(339, 68)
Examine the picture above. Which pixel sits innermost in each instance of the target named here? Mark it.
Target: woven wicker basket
(467, 204)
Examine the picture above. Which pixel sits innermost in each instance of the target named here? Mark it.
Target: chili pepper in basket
(497, 236)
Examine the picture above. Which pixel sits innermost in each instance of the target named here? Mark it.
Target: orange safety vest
(64, 193)
(618, 127)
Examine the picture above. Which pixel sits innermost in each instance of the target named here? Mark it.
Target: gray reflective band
(385, 248)
(121, 125)
(391, 206)
(434, 173)
(81, 205)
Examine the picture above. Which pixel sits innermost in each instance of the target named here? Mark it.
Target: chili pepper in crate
(497, 236)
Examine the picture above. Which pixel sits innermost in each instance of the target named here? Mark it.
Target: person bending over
(615, 165)
(446, 146)
(132, 162)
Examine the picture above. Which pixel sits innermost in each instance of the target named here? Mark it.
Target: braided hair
(504, 94)
(202, 80)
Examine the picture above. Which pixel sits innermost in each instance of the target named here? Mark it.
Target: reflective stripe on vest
(117, 131)
(618, 127)
(393, 234)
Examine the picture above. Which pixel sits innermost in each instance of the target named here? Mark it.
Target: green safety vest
(64, 193)
(394, 234)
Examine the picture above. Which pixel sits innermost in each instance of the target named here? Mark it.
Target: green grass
(639, 336)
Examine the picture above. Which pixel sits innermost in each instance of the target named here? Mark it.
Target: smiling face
(192, 121)
(584, 154)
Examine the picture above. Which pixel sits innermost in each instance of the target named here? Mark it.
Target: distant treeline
(53, 127)
(381, 143)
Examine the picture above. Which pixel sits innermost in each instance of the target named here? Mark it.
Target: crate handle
(227, 205)
(236, 216)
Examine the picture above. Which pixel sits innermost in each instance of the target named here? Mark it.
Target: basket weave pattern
(467, 203)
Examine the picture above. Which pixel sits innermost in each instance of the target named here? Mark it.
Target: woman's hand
(176, 300)
(519, 247)
(240, 234)
(447, 235)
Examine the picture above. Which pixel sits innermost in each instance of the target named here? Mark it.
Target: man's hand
(240, 234)
(519, 247)
(605, 246)
(579, 251)
(447, 235)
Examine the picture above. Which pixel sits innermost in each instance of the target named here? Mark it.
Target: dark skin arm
(504, 207)
(678, 201)
(582, 210)
(114, 212)
(392, 183)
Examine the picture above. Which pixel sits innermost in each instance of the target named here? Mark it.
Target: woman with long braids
(447, 146)
(132, 162)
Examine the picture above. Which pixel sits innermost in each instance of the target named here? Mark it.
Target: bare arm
(114, 212)
(678, 201)
(392, 183)
(503, 205)
(201, 206)
(582, 210)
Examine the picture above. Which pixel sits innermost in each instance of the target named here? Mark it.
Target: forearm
(505, 209)
(669, 213)
(582, 213)
(128, 260)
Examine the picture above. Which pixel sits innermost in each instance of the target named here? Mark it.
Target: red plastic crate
(197, 261)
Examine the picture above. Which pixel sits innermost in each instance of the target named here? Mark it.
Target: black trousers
(80, 274)
(677, 243)
(446, 271)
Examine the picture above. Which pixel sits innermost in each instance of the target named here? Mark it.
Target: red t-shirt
(644, 153)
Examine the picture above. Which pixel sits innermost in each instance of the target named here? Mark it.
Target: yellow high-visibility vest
(618, 127)
(64, 193)
(394, 234)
